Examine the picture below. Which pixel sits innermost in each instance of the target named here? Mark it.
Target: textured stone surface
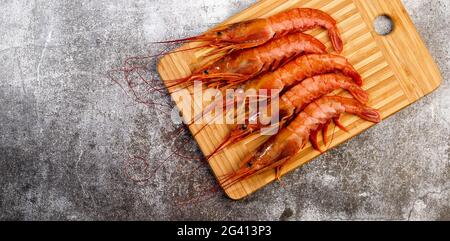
(67, 131)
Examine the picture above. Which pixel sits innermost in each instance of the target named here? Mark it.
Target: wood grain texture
(397, 70)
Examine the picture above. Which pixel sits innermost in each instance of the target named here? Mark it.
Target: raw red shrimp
(304, 67)
(252, 33)
(290, 140)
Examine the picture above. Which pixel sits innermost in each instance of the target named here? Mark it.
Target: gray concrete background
(66, 130)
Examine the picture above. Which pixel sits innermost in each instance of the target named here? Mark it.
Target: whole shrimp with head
(243, 65)
(252, 33)
(278, 150)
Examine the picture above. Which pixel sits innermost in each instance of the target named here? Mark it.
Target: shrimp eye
(243, 127)
(249, 164)
(205, 71)
(219, 33)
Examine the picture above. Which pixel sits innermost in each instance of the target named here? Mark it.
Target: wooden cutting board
(397, 70)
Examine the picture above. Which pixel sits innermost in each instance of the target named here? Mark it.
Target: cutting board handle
(403, 47)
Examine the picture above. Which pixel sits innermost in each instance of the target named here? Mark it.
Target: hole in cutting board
(383, 25)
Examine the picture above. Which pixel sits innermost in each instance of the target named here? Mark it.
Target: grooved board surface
(397, 70)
